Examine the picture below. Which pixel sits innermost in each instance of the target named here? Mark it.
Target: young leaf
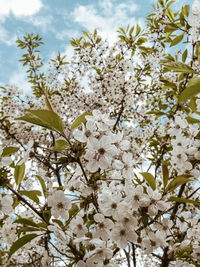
(80, 119)
(184, 200)
(19, 173)
(26, 222)
(192, 89)
(48, 102)
(184, 55)
(138, 30)
(60, 145)
(32, 194)
(186, 10)
(179, 67)
(8, 151)
(44, 118)
(20, 243)
(177, 40)
(192, 120)
(165, 173)
(47, 215)
(42, 183)
(150, 179)
(177, 181)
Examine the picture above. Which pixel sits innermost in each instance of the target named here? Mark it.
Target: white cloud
(43, 22)
(20, 79)
(6, 38)
(19, 7)
(107, 17)
(66, 33)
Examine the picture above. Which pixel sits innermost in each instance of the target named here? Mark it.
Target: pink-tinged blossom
(122, 235)
(110, 204)
(179, 124)
(59, 204)
(77, 226)
(151, 241)
(88, 131)
(153, 201)
(100, 153)
(195, 150)
(102, 121)
(134, 195)
(102, 227)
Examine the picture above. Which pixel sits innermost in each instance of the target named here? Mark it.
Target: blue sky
(58, 21)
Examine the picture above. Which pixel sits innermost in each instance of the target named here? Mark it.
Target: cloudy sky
(58, 21)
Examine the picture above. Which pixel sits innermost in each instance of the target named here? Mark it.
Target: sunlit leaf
(42, 183)
(184, 200)
(19, 173)
(179, 67)
(44, 118)
(60, 145)
(81, 119)
(165, 173)
(192, 89)
(150, 179)
(26, 222)
(20, 243)
(9, 150)
(177, 40)
(177, 181)
(32, 194)
(184, 55)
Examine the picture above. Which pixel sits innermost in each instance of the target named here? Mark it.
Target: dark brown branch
(27, 203)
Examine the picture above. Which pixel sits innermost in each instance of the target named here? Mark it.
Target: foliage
(100, 165)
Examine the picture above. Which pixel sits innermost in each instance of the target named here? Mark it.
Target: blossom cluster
(100, 166)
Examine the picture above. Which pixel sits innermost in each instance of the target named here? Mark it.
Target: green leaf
(156, 112)
(150, 179)
(131, 30)
(48, 103)
(179, 67)
(74, 209)
(192, 89)
(165, 173)
(177, 181)
(170, 14)
(184, 200)
(138, 30)
(177, 40)
(19, 173)
(141, 40)
(122, 30)
(87, 34)
(193, 104)
(60, 223)
(47, 215)
(81, 119)
(60, 145)
(192, 120)
(26, 222)
(20, 243)
(44, 118)
(42, 183)
(8, 151)
(186, 10)
(32, 194)
(26, 229)
(184, 55)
